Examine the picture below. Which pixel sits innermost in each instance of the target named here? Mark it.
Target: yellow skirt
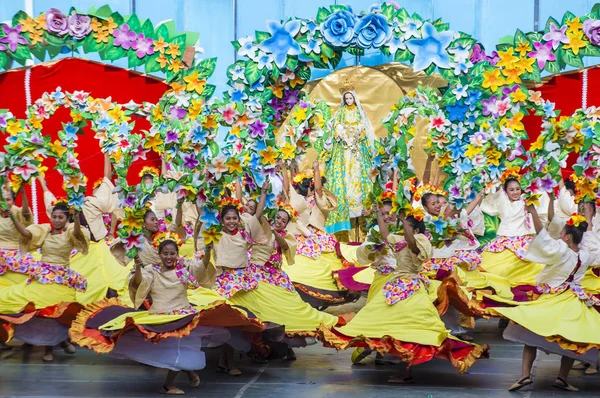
(413, 320)
(276, 304)
(591, 282)
(561, 317)
(507, 265)
(11, 278)
(102, 271)
(15, 297)
(315, 273)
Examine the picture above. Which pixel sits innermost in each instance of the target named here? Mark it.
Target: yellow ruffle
(507, 265)
(315, 273)
(276, 304)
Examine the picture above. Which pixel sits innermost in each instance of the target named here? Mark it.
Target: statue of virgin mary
(348, 158)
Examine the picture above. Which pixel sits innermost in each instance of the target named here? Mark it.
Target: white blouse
(514, 218)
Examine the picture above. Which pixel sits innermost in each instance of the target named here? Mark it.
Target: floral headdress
(60, 201)
(573, 177)
(289, 210)
(298, 178)
(98, 183)
(511, 172)
(427, 188)
(231, 202)
(417, 213)
(576, 219)
(160, 237)
(149, 170)
(389, 196)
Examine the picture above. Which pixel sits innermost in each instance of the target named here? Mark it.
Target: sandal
(48, 357)
(401, 380)
(67, 347)
(525, 381)
(195, 381)
(592, 370)
(562, 384)
(172, 391)
(230, 372)
(291, 355)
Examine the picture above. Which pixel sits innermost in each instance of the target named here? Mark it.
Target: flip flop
(562, 384)
(525, 381)
(195, 381)
(401, 380)
(172, 391)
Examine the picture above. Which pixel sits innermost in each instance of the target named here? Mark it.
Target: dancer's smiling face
(250, 207)
(386, 211)
(513, 190)
(169, 254)
(432, 204)
(59, 219)
(281, 220)
(230, 220)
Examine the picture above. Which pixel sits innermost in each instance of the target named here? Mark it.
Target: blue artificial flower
(104, 122)
(431, 48)
(494, 171)
(473, 99)
(396, 44)
(209, 217)
(198, 135)
(503, 141)
(372, 31)
(588, 132)
(259, 145)
(439, 224)
(237, 93)
(456, 113)
(309, 26)
(462, 166)
(258, 85)
(549, 109)
(338, 28)
(457, 150)
(124, 129)
(70, 131)
(76, 200)
(312, 45)
(282, 43)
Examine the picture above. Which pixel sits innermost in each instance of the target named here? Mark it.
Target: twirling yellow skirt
(507, 265)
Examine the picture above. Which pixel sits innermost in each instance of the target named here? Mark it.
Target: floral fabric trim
(272, 275)
(189, 231)
(107, 220)
(516, 244)
(233, 280)
(588, 299)
(472, 258)
(402, 288)
(46, 274)
(190, 310)
(315, 245)
(385, 269)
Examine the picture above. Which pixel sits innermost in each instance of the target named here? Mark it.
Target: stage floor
(318, 372)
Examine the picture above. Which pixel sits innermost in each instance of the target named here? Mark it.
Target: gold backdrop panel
(378, 89)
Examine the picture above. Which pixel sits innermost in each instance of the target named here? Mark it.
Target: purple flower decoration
(4, 119)
(13, 37)
(171, 136)
(543, 53)
(478, 54)
(249, 182)
(557, 35)
(177, 113)
(591, 28)
(79, 26)
(129, 201)
(143, 46)
(490, 107)
(257, 129)
(124, 37)
(547, 183)
(290, 97)
(57, 22)
(190, 161)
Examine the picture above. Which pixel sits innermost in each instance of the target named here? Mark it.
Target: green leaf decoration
(291, 63)
(117, 18)
(134, 23)
(206, 67)
(261, 36)
(338, 7)
(104, 12)
(191, 38)
(209, 90)
(113, 53)
(567, 17)
(21, 15)
(22, 52)
(322, 14)
(133, 60)
(572, 59)
(38, 52)
(252, 73)
(147, 29)
(162, 32)
(403, 55)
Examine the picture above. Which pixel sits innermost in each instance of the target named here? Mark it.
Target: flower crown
(417, 212)
(60, 201)
(511, 172)
(231, 202)
(98, 183)
(289, 210)
(298, 178)
(160, 237)
(573, 178)
(391, 197)
(149, 170)
(427, 188)
(576, 220)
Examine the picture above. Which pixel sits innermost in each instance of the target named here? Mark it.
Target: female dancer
(179, 328)
(399, 317)
(563, 319)
(13, 271)
(312, 273)
(53, 289)
(504, 256)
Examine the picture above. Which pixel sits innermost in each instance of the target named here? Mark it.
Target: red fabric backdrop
(566, 92)
(101, 81)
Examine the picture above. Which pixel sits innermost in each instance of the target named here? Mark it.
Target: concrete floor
(318, 372)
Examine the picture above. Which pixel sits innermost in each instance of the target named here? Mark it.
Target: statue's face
(348, 99)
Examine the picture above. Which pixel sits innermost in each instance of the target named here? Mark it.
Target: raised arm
(395, 180)
(19, 226)
(317, 179)
(25, 211)
(107, 166)
(42, 181)
(238, 189)
(550, 206)
(137, 276)
(207, 253)
(437, 175)
(588, 212)
(179, 216)
(427, 172)
(409, 235)
(260, 207)
(77, 227)
(475, 202)
(286, 178)
(537, 223)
